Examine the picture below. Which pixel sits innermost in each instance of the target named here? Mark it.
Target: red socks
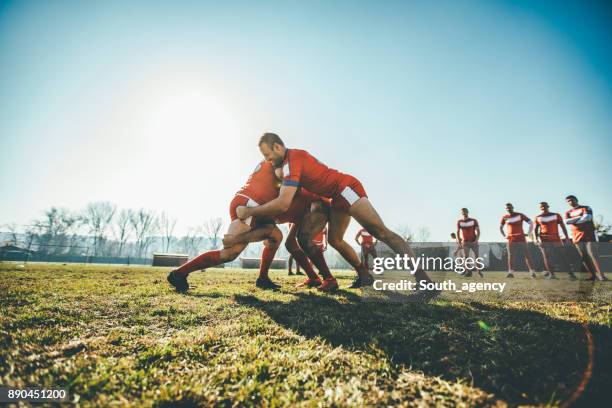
(267, 256)
(202, 261)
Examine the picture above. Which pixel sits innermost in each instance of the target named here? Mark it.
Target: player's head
(509, 208)
(571, 200)
(272, 148)
(465, 212)
(544, 206)
(453, 235)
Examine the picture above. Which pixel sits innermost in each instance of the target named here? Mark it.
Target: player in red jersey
(547, 233)
(260, 188)
(305, 205)
(367, 244)
(469, 232)
(348, 198)
(517, 244)
(580, 219)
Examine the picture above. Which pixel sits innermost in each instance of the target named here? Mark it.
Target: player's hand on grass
(242, 212)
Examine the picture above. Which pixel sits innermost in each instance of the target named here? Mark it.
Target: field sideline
(116, 334)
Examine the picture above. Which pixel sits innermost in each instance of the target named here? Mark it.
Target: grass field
(113, 334)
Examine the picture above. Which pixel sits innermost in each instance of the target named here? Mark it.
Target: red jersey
(468, 229)
(262, 185)
(582, 231)
(366, 237)
(300, 168)
(549, 227)
(514, 222)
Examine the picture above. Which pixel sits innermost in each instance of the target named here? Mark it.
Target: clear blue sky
(433, 105)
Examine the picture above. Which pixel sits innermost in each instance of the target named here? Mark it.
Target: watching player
(517, 244)
(547, 233)
(367, 244)
(580, 219)
(469, 231)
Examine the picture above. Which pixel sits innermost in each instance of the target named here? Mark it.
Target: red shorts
(350, 190)
(239, 200)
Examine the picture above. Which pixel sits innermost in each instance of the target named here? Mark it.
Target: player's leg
(466, 255)
(290, 264)
(547, 249)
(300, 257)
(178, 276)
(510, 246)
(365, 214)
(584, 260)
(593, 255)
(271, 245)
(529, 259)
(311, 225)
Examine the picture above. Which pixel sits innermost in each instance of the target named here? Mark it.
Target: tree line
(102, 229)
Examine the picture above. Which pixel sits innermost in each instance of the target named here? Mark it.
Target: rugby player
(367, 244)
(547, 234)
(348, 199)
(580, 219)
(469, 231)
(261, 187)
(304, 206)
(517, 244)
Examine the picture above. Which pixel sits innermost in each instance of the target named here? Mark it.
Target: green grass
(113, 334)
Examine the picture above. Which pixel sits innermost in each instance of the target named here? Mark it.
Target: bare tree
(190, 243)
(167, 225)
(212, 231)
(405, 232)
(12, 230)
(145, 225)
(122, 229)
(423, 234)
(57, 231)
(98, 217)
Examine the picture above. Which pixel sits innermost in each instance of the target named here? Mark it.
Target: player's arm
(501, 227)
(537, 231)
(477, 231)
(586, 216)
(275, 207)
(458, 231)
(563, 228)
(357, 237)
(254, 235)
(530, 223)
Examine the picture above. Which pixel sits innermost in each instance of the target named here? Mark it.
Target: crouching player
(314, 209)
(261, 187)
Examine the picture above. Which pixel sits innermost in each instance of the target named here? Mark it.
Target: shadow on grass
(524, 357)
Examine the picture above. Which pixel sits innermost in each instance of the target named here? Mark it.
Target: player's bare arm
(537, 233)
(254, 235)
(275, 207)
(564, 229)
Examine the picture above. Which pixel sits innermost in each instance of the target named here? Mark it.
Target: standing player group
(547, 224)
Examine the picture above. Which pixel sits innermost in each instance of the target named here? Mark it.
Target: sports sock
(202, 261)
(267, 256)
(300, 258)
